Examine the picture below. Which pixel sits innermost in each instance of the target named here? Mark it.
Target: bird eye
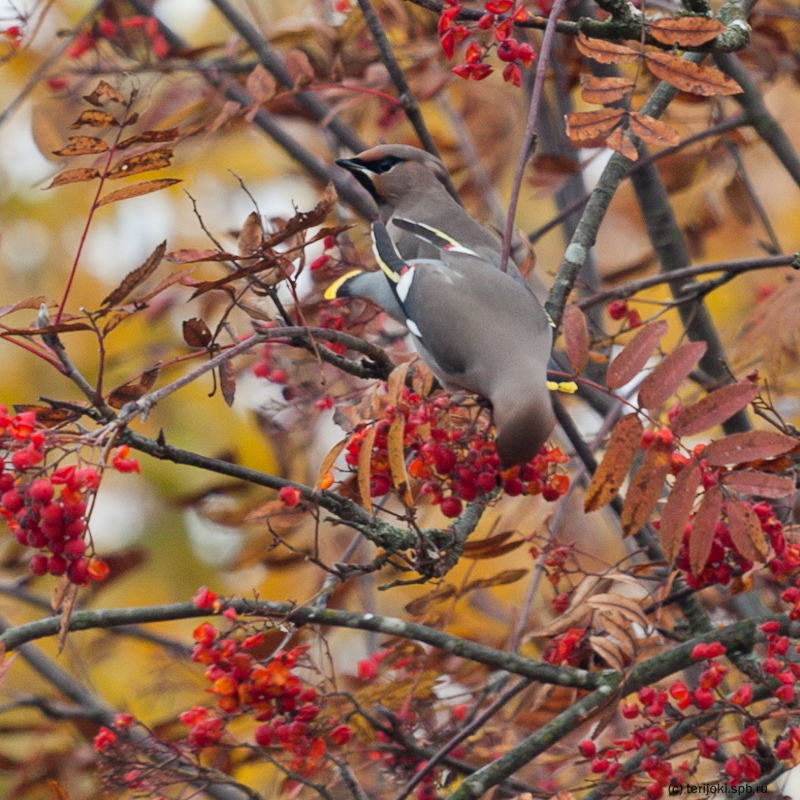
(386, 163)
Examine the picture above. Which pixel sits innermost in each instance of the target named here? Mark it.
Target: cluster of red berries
(452, 461)
(619, 309)
(497, 19)
(119, 33)
(13, 33)
(46, 509)
(288, 712)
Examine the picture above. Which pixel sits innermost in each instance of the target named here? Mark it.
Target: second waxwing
(477, 328)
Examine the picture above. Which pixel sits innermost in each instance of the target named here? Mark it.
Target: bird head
(390, 171)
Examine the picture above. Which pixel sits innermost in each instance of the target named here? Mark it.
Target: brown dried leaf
(137, 190)
(420, 605)
(605, 52)
(653, 131)
(669, 374)
(131, 391)
(715, 408)
(604, 90)
(196, 333)
(739, 448)
(623, 445)
(28, 302)
(115, 319)
(763, 484)
(397, 459)
(621, 607)
(191, 255)
(619, 633)
(492, 546)
(501, 579)
(95, 119)
(47, 416)
(608, 651)
(82, 146)
(576, 338)
(630, 361)
(328, 462)
(620, 141)
(592, 128)
(306, 219)
(745, 530)
(396, 383)
(150, 137)
(677, 510)
(365, 468)
(143, 162)
(690, 77)
(61, 327)
(74, 176)
(227, 381)
(702, 536)
(686, 31)
(133, 279)
(103, 92)
(645, 488)
(251, 236)
(261, 85)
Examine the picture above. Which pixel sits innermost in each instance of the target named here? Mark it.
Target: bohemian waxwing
(477, 329)
(407, 182)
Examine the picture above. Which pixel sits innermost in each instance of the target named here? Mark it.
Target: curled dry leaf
(604, 90)
(715, 408)
(397, 460)
(608, 651)
(620, 140)
(131, 391)
(136, 277)
(82, 146)
(143, 162)
(94, 118)
(669, 374)
(603, 51)
(137, 190)
(653, 131)
(102, 93)
(630, 361)
(740, 448)
(327, 464)
(365, 468)
(592, 128)
(420, 605)
(576, 338)
(227, 381)
(645, 488)
(690, 77)
(492, 547)
(686, 31)
(150, 137)
(623, 445)
(260, 84)
(677, 510)
(196, 333)
(702, 536)
(745, 530)
(73, 176)
(500, 579)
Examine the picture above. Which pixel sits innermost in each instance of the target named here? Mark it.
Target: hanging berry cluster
(450, 458)
(46, 507)
(726, 559)
(288, 711)
(123, 34)
(658, 709)
(499, 18)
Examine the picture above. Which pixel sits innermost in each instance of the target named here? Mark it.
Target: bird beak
(361, 173)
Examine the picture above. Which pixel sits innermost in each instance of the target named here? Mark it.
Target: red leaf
(745, 530)
(702, 535)
(623, 445)
(630, 361)
(764, 484)
(677, 510)
(739, 448)
(669, 374)
(715, 408)
(576, 338)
